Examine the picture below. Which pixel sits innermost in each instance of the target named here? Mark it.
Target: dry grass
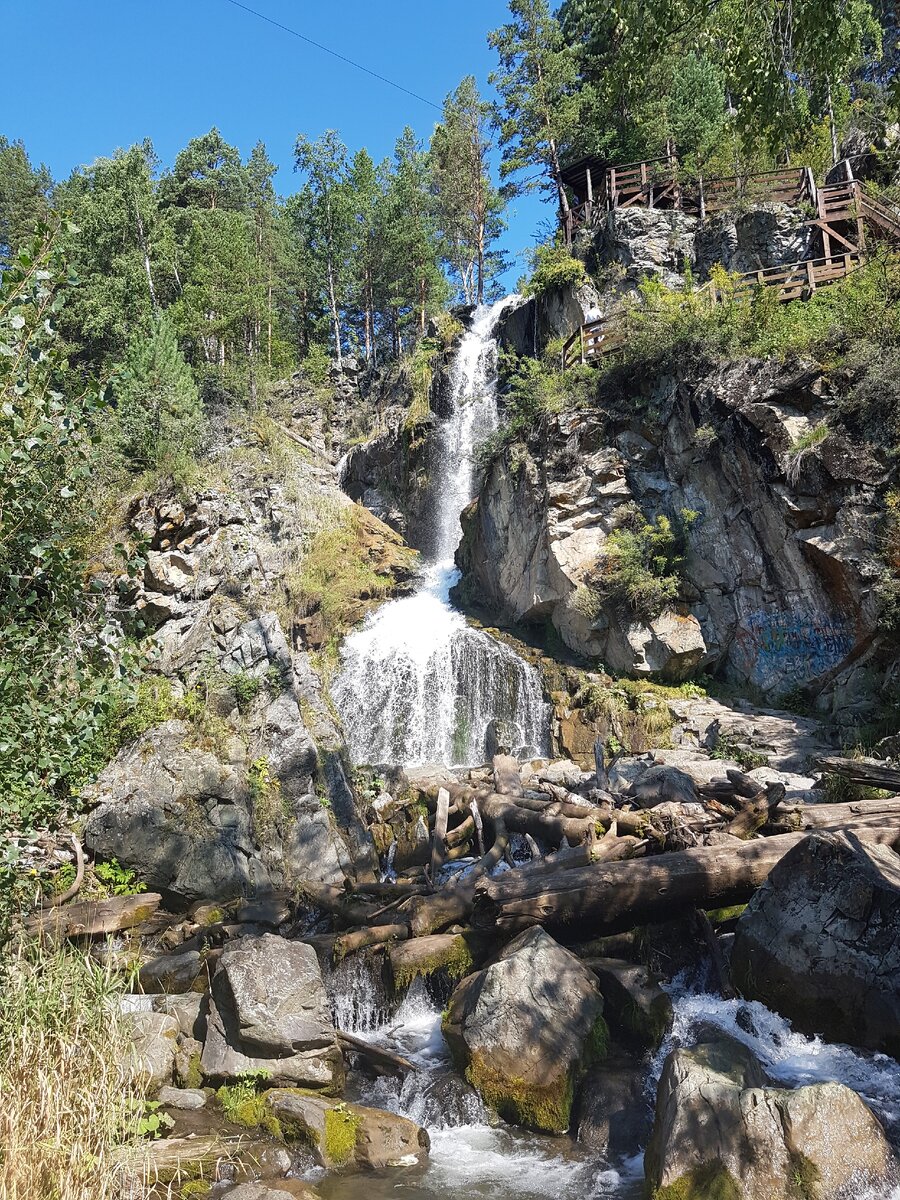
(67, 1105)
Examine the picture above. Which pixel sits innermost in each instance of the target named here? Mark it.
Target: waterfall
(417, 684)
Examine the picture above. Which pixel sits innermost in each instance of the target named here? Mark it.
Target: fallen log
(617, 896)
(453, 903)
(359, 939)
(521, 819)
(93, 918)
(867, 772)
(384, 1062)
(507, 780)
(816, 816)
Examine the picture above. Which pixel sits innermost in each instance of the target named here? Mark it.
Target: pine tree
(469, 207)
(159, 412)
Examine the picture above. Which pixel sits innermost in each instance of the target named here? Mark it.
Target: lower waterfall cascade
(417, 683)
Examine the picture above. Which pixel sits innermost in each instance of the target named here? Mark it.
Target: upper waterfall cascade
(417, 683)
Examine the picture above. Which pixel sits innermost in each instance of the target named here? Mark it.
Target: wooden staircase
(843, 211)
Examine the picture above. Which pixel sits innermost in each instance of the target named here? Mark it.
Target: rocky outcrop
(524, 1027)
(721, 1129)
(820, 941)
(268, 1012)
(781, 558)
(349, 1135)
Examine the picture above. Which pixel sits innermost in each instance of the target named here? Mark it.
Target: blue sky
(90, 76)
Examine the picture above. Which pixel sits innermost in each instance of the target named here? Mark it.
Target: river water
(417, 683)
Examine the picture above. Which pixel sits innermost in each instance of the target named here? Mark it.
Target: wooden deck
(842, 211)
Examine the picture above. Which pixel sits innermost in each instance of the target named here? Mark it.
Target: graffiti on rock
(779, 649)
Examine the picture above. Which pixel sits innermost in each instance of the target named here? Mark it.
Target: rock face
(777, 583)
(269, 1012)
(524, 1027)
(346, 1135)
(820, 941)
(721, 1130)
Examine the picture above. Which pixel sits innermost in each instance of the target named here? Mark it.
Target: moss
(803, 1177)
(195, 1187)
(546, 1108)
(456, 960)
(194, 1076)
(719, 915)
(244, 1104)
(711, 1181)
(341, 1126)
(597, 1045)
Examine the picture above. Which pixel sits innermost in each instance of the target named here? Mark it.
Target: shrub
(553, 267)
(643, 561)
(69, 1106)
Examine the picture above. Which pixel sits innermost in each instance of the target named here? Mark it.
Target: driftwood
(75, 887)
(441, 817)
(520, 817)
(93, 918)
(384, 1062)
(453, 903)
(507, 780)
(620, 895)
(359, 939)
(820, 816)
(867, 772)
(715, 953)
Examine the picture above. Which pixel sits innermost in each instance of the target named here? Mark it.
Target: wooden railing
(597, 339)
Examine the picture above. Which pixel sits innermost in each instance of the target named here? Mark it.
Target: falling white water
(417, 684)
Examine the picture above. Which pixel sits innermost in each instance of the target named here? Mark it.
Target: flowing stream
(417, 683)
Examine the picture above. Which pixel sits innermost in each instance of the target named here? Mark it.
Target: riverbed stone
(820, 941)
(154, 1036)
(343, 1135)
(614, 1115)
(721, 1129)
(182, 1098)
(637, 1009)
(268, 1011)
(524, 1027)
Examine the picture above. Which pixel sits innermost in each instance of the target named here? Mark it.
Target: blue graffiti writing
(781, 649)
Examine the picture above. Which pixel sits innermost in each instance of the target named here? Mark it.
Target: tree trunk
(614, 897)
(336, 321)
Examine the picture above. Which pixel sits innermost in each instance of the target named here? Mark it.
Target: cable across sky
(327, 49)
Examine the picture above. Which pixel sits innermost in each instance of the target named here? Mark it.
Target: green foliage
(729, 750)
(244, 1103)
(246, 688)
(806, 441)
(118, 880)
(553, 267)
(152, 1120)
(158, 405)
(58, 660)
(643, 560)
(339, 1143)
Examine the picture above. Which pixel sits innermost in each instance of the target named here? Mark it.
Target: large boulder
(614, 1116)
(154, 1037)
(639, 1012)
(722, 1131)
(820, 941)
(269, 1013)
(524, 1028)
(343, 1135)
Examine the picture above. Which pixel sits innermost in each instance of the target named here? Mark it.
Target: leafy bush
(58, 657)
(641, 571)
(553, 267)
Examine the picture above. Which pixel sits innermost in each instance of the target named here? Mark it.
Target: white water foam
(417, 684)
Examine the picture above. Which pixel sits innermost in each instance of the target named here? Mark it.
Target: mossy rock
(455, 955)
(547, 1108)
(710, 1181)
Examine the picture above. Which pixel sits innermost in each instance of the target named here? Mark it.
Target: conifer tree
(159, 410)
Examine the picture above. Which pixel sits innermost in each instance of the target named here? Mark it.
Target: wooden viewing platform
(842, 211)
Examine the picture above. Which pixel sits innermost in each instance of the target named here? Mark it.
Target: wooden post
(810, 276)
(645, 188)
(858, 202)
(590, 195)
(581, 337)
(440, 832)
(702, 201)
(612, 187)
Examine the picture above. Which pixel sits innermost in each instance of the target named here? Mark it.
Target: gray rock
(180, 972)
(368, 1137)
(524, 1027)
(614, 1116)
(720, 1128)
(638, 1011)
(820, 941)
(269, 1012)
(660, 785)
(154, 1036)
(188, 1072)
(187, 1009)
(182, 1098)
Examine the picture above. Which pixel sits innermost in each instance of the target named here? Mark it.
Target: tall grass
(68, 1105)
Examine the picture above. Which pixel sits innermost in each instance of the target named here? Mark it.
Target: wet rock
(614, 1116)
(820, 941)
(284, 1189)
(524, 1027)
(153, 1057)
(638, 1011)
(342, 1135)
(269, 1012)
(721, 1129)
(188, 1071)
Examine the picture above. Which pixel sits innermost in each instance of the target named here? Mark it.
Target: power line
(333, 53)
